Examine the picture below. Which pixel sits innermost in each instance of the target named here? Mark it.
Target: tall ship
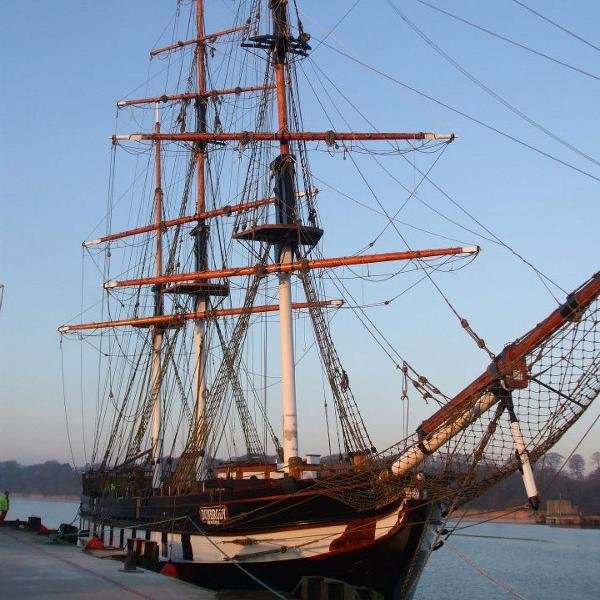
(217, 360)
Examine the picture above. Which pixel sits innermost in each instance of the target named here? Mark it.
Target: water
(52, 512)
(546, 563)
(551, 564)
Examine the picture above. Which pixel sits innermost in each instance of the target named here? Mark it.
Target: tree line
(556, 477)
(50, 478)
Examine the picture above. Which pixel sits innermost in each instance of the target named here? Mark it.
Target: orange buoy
(95, 544)
(170, 570)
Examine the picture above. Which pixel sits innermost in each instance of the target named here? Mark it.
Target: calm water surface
(52, 512)
(551, 564)
(546, 563)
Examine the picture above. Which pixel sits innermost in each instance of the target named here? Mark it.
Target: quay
(36, 566)
(31, 567)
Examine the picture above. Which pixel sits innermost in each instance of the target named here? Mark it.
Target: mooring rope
(237, 564)
(503, 586)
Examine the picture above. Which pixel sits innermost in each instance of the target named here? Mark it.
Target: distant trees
(596, 460)
(554, 481)
(551, 460)
(576, 466)
(51, 477)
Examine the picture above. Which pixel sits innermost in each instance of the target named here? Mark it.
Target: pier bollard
(130, 558)
(150, 555)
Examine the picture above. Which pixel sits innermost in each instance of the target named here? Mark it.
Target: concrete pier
(31, 567)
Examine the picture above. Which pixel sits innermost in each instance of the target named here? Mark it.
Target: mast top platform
(281, 233)
(294, 45)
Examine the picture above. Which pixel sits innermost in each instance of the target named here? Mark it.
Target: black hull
(252, 506)
(391, 566)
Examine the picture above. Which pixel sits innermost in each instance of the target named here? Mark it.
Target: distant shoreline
(49, 497)
(524, 516)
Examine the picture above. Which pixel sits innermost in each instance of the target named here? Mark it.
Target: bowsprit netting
(544, 382)
(564, 379)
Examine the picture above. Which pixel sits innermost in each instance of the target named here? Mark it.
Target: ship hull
(384, 550)
(390, 566)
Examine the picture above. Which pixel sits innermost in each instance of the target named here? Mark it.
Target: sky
(65, 64)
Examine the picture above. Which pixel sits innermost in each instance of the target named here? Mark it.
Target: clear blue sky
(64, 64)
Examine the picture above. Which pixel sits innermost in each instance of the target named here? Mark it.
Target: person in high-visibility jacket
(4, 505)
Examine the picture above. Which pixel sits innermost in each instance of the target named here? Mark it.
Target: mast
(157, 331)
(283, 168)
(201, 230)
(287, 234)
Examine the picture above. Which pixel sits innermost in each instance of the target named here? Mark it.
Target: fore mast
(200, 291)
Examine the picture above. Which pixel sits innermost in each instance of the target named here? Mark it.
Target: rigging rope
(558, 25)
(205, 438)
(487, 89)
(462, 113)
(500, 584)
(237, 564)
(64, 399)
(356, 436)
(336, 25)
(254, 448)
(494, 238)
(391, 219)
(513, 42)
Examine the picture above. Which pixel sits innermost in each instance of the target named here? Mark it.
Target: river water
(535, 562)
(492, 561)
(52, 512)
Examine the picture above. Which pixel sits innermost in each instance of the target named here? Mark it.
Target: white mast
(288, 371)
(286, 214)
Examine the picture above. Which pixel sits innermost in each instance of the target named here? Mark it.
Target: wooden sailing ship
(366, 515)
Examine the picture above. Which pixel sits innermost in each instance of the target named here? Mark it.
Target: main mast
(283, 169)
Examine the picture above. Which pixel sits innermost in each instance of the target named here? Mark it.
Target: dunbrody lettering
(213, 515)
